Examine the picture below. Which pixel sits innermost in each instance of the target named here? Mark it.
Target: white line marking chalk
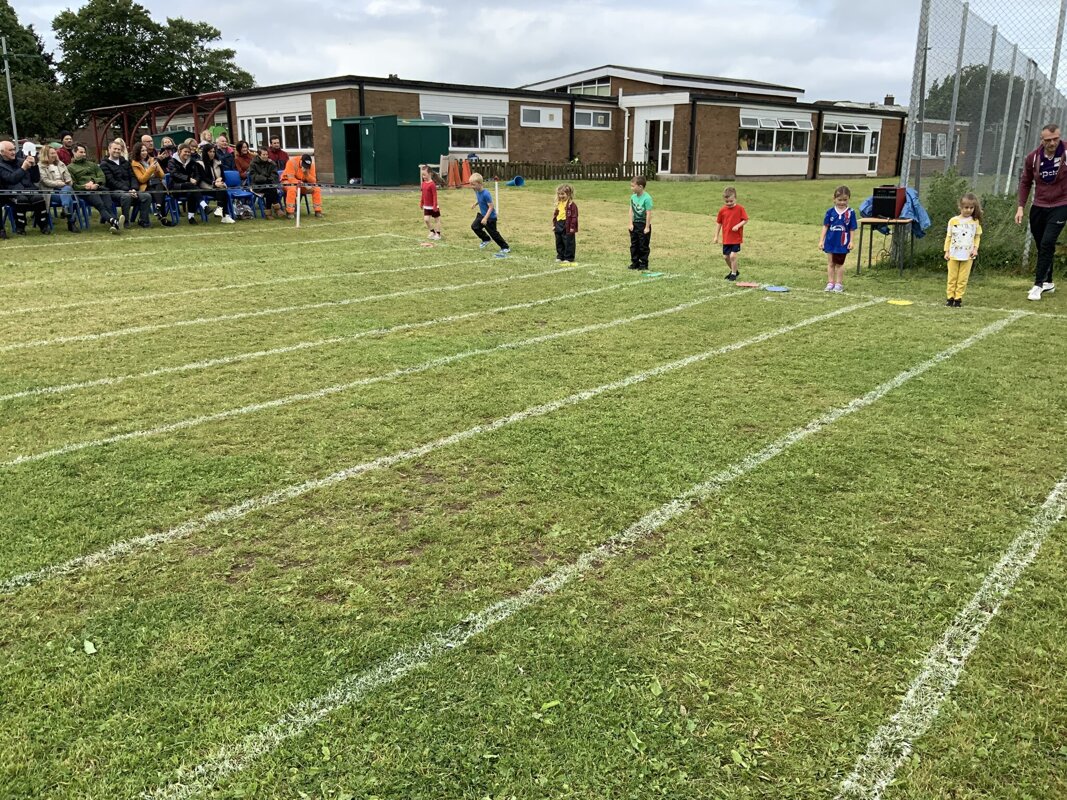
(943, 665)
(338, 389)
(127, 547)
(230, 760)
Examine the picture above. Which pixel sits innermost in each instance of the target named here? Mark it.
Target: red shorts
(838, 259)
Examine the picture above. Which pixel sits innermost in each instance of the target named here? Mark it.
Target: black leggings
(1046, 224)
(481, 231)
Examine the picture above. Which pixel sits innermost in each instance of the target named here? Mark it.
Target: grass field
(323, 513)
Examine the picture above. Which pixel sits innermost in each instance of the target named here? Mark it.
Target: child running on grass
(640, 223)
(961, 246)
(730, 230)
(836, 239)
(431, 214)
(565, 223)
(486, 219)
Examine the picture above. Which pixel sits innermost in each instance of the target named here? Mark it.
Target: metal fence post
(1004, 126)
(950, 153)
(918, 90)
(985, 103)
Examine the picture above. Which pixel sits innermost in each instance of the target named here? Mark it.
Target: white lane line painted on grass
(303, 716)
(327, 391)
(944, 664)
(292, 348)
(127, 547)
(266, 312)
(115, 300)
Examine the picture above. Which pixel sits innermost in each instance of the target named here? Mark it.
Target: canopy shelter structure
(191, 113)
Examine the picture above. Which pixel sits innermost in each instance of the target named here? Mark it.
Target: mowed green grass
(749, 648)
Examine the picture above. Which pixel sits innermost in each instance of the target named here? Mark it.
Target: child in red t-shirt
(431, 214)
(730, 231)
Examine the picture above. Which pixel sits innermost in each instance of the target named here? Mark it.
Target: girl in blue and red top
(565, 223)
(431, 214)
(836, 239)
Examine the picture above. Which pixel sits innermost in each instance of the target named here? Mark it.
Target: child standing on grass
(730, 230)
(486, 219)
(431, 214)
(640, 223)
(565, 223)
(961, 246)
(836, 239)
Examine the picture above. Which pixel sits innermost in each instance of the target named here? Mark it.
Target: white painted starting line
(230, 760)
(265, 312)
(944, 664)
(307, 345)
(318, 394)
(127, 547)
(136, 298)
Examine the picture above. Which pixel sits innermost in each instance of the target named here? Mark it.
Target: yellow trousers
(958, 273)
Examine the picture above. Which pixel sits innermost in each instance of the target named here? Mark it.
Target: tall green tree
(41, 106)
(115, 53)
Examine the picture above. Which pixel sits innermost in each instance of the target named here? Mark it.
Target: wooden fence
(539, 171)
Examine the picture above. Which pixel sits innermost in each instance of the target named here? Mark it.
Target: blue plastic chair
(174, 207)
(236, 190)
(80, 211)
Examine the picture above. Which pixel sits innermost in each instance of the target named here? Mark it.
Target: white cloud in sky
(833, 49)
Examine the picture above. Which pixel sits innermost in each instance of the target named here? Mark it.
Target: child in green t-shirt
(640, 223)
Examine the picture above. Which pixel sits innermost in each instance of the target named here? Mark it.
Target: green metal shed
(385, 150)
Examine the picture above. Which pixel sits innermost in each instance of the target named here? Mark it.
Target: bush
(1002, 239)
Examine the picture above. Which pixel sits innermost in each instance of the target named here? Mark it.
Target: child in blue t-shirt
(836, 239)
(484, 225)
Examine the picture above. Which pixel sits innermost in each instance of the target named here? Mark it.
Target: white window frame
(600, 87)
(484, 124)
(780, 128)
(592, 126)
(846, 131)
(544, 114)
(295, 130)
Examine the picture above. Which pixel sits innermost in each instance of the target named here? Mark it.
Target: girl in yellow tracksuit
(961, 246)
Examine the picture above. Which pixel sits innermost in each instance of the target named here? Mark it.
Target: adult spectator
(149, 143)
(119, 178)
(212, 181)
(205, 138)
(277, 155)
(243, 158)
(184, 172)
(19, 176)
(299, 176)
(66, 152)
(124, 151)
(225, 153)
(149, 175)
(1045, 170)
(55, 177)
(167, 149)
(90, 185)
(263, 178)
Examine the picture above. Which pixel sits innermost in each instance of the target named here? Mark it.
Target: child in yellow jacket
(961, 246)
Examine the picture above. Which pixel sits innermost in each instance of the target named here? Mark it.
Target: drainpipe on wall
(570, 141)
(625, 129)
(818, 146)
(900, 146)
(362, 99)
(693, 137)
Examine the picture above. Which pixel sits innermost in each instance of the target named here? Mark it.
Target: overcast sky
(833, 49)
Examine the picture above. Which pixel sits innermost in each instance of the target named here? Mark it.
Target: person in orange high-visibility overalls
(299, 172)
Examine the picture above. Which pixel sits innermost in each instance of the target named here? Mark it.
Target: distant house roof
(666, 79)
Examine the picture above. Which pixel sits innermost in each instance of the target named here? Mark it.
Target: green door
(366, 152)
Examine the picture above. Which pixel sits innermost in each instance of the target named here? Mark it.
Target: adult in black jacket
(20, 176)
(121, 182)
(184, 174)
(263, 179)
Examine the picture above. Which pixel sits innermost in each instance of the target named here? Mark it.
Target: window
(541, 117)
(845, 138)
(473, 132)
(773, 135)
(872, 159)
(597, 120)
(600, 87)
(295, 131)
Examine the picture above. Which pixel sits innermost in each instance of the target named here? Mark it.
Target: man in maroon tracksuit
(1046, 170)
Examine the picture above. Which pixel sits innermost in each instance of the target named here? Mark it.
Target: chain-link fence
(987, 77)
